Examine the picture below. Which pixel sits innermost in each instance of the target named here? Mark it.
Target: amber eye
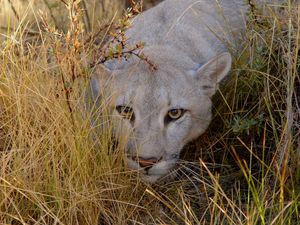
(126, 112)
(175, 114)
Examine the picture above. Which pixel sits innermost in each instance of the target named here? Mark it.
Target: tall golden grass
(56, 168)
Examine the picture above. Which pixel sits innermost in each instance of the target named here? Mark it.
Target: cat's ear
(99, 80)
(213, 72)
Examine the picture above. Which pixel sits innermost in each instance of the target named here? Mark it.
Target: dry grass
(243, 170)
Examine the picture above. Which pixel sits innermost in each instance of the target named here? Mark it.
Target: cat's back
(188, 25)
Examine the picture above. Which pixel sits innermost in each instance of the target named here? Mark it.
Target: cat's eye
(126, 112)
(174, 114)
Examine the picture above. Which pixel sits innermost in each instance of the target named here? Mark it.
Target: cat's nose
(145, 162)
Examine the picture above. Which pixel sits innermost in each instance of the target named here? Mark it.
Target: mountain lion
(160, 111)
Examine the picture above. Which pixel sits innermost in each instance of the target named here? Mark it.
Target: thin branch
(51, 14)
(14, 10)
(63, 1)
(87, 17)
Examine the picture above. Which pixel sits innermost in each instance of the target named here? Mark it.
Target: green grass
(243, 170)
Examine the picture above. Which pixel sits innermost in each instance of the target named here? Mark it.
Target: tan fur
(189, 41)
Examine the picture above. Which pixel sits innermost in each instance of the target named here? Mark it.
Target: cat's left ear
(99, 80)
(213, 72)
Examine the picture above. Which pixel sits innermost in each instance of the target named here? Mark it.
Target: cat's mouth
(153, 173)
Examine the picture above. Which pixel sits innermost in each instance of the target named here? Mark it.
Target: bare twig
(253, 11)
(14, 10)
(87, 23)
(117, 47)
(63, 1)
(127, 53)
(27, 30)
(51, 13)
(93, 36)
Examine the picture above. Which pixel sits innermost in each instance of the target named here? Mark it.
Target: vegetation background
(58, 169)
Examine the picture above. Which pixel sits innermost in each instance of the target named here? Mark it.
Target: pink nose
(145, 162)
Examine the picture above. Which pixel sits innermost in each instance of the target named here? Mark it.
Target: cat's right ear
(99, 80)
(213, 72)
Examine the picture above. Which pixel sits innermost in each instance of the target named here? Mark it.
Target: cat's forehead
(143, 76)
(154, 90)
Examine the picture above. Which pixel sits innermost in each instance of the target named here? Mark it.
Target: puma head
(158, 112)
